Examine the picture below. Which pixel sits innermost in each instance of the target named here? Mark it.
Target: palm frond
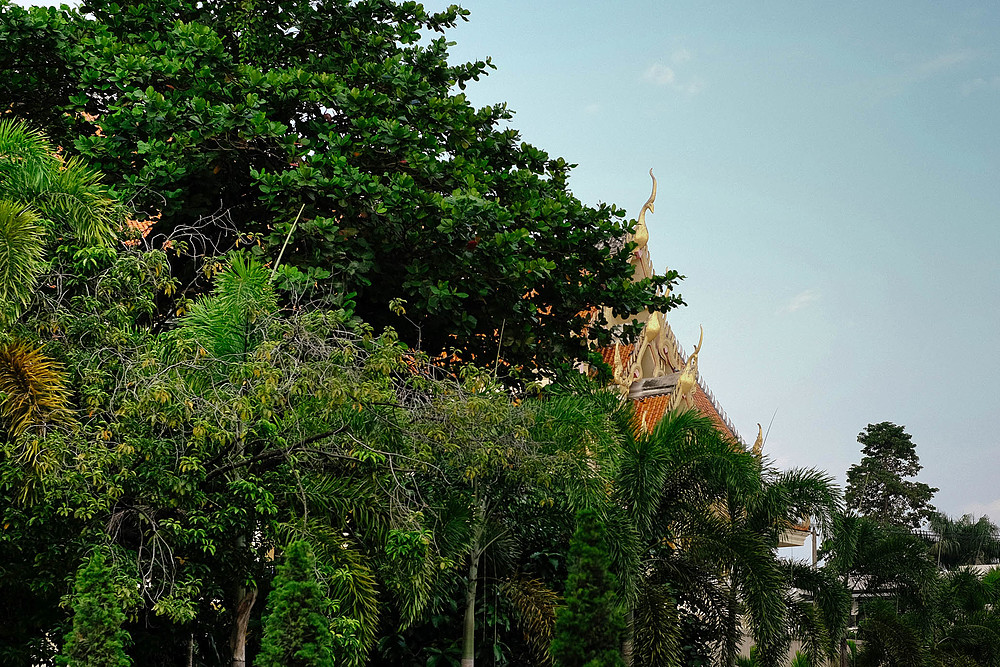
(657, 628)
(830, 596)
(21, 254)
(348, 581)
(69, 194)
(227, 323)
(33, 391)
(888, 638)
(20, 146)
(536, 612)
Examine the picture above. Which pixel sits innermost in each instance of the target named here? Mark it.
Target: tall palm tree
(699, 522)
(665, 484)
(964, 541)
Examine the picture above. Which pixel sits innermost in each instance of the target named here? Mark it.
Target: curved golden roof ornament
(619, 372)
(758, 445)
(653, 327)
(688, 380)
(641, 236)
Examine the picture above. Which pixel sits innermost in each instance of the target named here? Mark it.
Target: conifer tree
(589, 627)
(878, 486)
(296, 629)
(97, 638)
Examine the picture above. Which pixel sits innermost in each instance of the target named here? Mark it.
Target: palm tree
(44, 197)
(964, 541)
(887, 570)
(699, 523)
(21, 255)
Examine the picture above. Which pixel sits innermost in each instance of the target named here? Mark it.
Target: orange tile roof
(650, 410)
(608, 354)
(705, 406)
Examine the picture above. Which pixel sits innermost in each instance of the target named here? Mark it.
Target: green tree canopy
(296, 628)
(230, 117)
(97, 638)
(590, 627)
(878, 486)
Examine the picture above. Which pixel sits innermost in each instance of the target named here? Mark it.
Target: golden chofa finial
(758, 445)
(692, 361)
(641, 236)
(688, 380)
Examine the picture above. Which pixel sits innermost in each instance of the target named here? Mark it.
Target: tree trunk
(190, 661)
(469, 634)
(238, 638)
(734, 631)
(469, 630)
(629, 642)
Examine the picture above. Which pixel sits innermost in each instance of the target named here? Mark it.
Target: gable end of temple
(656, 374)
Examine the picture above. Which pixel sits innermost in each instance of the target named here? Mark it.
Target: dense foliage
(97, 638)
(296, 626)
(911, 612)
(879, 487)
(335, 135)
(439, 508)
(197, 380)
(590, 626)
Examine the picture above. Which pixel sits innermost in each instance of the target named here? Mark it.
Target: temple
(659, 377)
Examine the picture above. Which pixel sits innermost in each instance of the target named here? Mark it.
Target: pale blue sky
(828, 183)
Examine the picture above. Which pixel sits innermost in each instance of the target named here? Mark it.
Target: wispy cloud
(918, 70)
(661, 74)
(680, 56)
(980, 83)
(803, 299)
(992, 510)
(943, 62)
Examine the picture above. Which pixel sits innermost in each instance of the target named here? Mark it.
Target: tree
(97, 638)
(878, 486)
(590, 626)
(964, 541)
(44, 198)
(880, 564)
(697, 520)
(336, 129)
(296, 627)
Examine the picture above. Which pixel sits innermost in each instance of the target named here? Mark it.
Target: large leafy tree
(334, 131)
(879, 487)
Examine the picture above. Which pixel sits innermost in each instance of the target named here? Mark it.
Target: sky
(828, 184)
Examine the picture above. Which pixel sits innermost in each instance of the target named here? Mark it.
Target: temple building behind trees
(659, 377)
